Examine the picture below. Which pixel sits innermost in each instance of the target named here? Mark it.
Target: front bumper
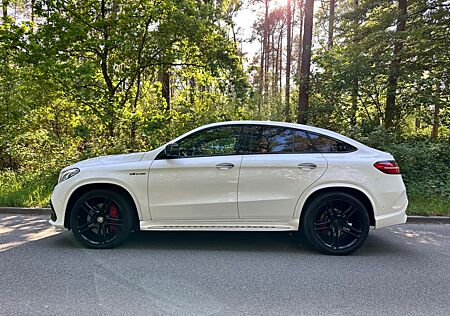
(58, 204)
(53, 216)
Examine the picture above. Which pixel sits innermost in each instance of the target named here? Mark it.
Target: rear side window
(260, 139)
(326, 144)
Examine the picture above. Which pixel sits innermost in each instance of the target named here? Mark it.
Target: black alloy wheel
(102, 219)
(336, 223)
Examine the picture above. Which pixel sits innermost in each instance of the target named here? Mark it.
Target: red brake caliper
(114, 214)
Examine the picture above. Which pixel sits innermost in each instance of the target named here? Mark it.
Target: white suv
(236, 176)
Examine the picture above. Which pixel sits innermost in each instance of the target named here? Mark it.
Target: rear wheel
(102, 219)
(336, 223)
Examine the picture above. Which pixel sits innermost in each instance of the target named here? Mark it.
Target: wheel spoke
(85, 226)
(352, 231)
(101, 233)
(330, 210)
(90, 210)
(112, 223)
(348, 212)
(335, 239)
(320, 226)
(106, 204)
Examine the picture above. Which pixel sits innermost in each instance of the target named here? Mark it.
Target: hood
(107, 160)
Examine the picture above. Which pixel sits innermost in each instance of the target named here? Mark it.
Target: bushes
(425, 166)
(26, 188)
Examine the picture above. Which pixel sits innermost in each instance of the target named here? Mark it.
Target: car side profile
(236, 176)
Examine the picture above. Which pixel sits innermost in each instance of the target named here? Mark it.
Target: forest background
(93, 77)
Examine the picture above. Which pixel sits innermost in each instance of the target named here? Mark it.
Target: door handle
(224, 166)
(307, 166)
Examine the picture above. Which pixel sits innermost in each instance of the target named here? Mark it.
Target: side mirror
(172, 151)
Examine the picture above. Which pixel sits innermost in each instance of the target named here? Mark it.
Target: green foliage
(26, 188)
(104, 77)
(425, 166)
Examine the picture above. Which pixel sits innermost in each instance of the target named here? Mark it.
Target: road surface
(402, 270)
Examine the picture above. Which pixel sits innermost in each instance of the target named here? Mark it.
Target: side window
(216, 141)
(325, 144)
(261, 139)
(302, 144)
(268, 139)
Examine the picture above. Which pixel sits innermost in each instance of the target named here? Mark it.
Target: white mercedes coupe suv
(236, 176)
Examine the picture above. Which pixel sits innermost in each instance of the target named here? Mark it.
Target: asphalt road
(403, 270)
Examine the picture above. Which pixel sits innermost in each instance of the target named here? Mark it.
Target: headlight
(67, 174)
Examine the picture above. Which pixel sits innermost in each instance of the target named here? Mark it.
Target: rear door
(278, 165)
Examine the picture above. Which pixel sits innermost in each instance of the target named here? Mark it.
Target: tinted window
(302, 143)
(214, 141)
(329, 145)
(273, 139)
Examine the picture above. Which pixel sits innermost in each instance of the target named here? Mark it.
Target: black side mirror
(172, 151)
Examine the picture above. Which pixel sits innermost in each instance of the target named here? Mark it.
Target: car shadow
(258, 242)
(17, 230)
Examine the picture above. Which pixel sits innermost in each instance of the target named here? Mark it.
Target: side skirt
(237, 225)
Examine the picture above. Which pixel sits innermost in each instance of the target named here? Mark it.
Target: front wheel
(102, 219)
(336, 223)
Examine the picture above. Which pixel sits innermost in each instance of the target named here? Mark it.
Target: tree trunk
(164, 79)
(277, 67)
(280, 81)
(354, 108)
(261, 76)
(331, 24)
(264, 56)
(287, 108)
(437, 108)
(267, 61)
(192, 86)
(434, 131)
(306, 63)
(355, 79)
(5, 8)
(417, 118)
(391, 112)
(274, 64)
(300, 37)
(32, 10)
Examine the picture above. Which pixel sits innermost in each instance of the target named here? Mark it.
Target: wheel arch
(362, 195)
(84, 188)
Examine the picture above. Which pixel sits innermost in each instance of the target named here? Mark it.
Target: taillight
(388, 166)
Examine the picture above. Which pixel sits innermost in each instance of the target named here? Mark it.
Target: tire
(336, 223)
(102, 218)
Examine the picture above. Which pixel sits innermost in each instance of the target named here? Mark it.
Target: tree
(391, 110)
(287, 109)
(306, 63)
(99, 60)
(331, 24)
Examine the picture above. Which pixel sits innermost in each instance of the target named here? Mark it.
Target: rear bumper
(392, 218)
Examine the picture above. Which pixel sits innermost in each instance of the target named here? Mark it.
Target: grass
(428, 205)
(33, 189)
(27, 189)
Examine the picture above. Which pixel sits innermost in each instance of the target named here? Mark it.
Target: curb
(412, 219)
(428, 220)
(25, 210)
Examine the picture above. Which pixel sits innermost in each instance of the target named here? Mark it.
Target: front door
(201, 183)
